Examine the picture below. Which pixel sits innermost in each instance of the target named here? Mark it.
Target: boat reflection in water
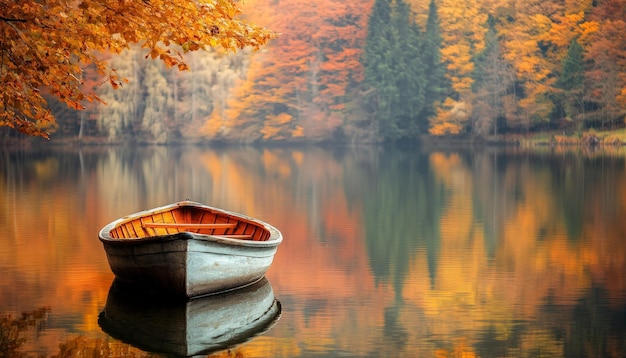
(186, 328)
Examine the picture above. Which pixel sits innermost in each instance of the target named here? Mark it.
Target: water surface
(489, 253)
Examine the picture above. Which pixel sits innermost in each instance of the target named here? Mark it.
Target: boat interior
(190, 219)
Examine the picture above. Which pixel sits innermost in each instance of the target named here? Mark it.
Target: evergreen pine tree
(377, 56)
(394, 70)
(410, 79)
(572, 74)
(571, 81)
(437, 85)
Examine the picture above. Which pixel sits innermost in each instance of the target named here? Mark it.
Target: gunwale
(190, 217)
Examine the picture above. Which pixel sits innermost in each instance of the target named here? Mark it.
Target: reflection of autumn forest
(381, 70)
(387, 253)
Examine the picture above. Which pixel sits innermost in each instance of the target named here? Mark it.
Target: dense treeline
(382, 70)
(517, 66)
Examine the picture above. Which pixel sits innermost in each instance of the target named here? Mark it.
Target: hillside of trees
(379, 70)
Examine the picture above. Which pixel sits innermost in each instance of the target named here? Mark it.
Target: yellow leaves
(168, 60)
(214, 126)
(540, 24)
(568, 27)
(531, 68)
(280, 119)
(587, 29)
(462, 84)
(526, 67)
(535, 45)
(297, 132)
(450, 119)
(463, 27)
(154, 53)
(441, 129)
(621, 100)
(270, 132)
(274, 125)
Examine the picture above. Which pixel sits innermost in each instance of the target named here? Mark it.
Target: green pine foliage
(571, 82)
(377, 59)
(435, 71)
(395, 70)
(410, 77)
(573, 71)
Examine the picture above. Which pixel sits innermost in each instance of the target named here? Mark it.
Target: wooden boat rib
(200, 220)
(189, 249)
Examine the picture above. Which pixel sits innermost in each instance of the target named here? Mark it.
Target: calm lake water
(387, 253)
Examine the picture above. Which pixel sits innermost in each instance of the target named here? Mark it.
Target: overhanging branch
(7, 19)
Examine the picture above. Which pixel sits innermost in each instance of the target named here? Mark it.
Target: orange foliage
(606, 52)
(44, 46)
(621, 99)
(535, 44)
(463, 26)
(214, 126)
(450, 119)
(304, 74)
(273, 125)
(565, 28)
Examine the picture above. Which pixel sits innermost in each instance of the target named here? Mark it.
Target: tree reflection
(14, 332)
(493, 344)
(503, 233)
(405, 190)
(395, 333)
(387, 252)
(589, 335)
(12, 329)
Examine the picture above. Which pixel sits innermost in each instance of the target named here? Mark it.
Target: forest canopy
(387, 70)
(361, 71)
(45, 47)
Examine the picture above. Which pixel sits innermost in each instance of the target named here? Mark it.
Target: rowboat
(188, 249)
(195, 327)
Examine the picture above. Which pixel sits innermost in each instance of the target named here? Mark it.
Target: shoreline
(590, 138)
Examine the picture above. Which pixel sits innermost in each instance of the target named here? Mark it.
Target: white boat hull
(189, 264)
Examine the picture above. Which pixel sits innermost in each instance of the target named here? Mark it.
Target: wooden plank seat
(235, 236)
(189, 226)
(199, 226)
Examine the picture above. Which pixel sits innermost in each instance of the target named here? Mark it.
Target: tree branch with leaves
(44, 47)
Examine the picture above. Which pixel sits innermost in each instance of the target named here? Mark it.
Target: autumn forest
(368, 71)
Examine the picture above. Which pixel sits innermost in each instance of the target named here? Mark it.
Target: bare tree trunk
(82, 124)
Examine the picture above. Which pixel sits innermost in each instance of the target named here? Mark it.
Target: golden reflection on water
(385, 254)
